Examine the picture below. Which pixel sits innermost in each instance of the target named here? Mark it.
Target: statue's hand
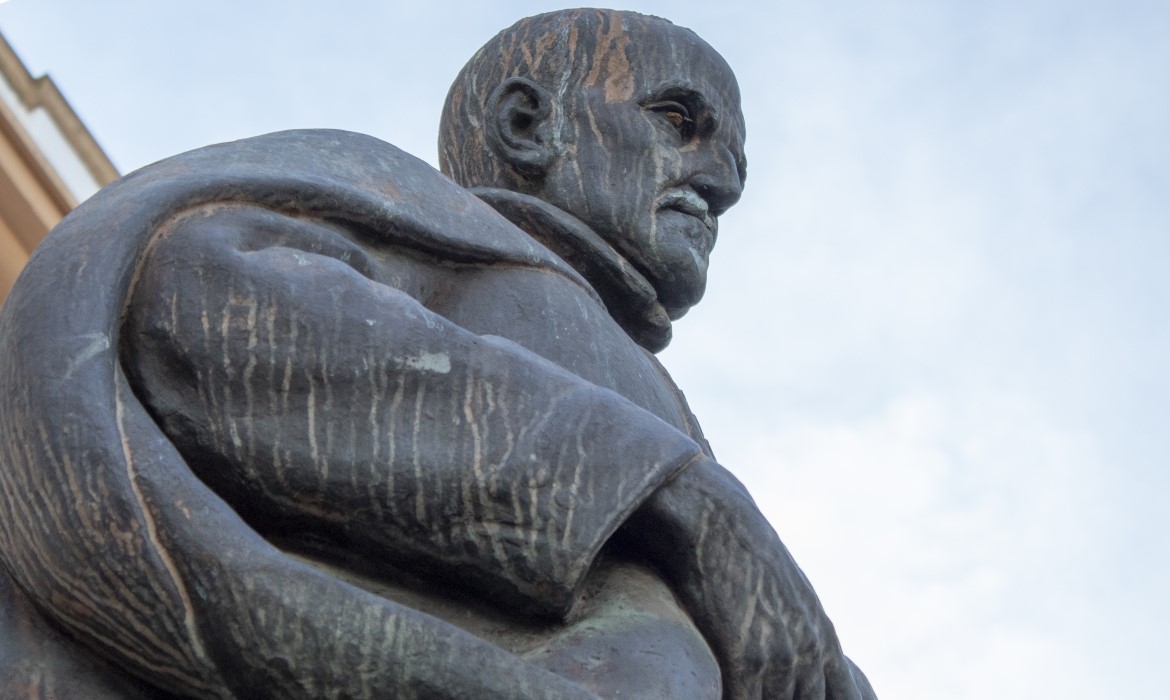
(780, 642)
(745, 592)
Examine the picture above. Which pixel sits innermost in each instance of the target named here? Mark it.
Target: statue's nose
(719, 183)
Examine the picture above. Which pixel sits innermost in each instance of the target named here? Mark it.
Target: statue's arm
(316, 396)
(745, 591)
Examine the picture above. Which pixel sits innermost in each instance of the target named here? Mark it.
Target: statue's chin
(679, 278)
(681, 293)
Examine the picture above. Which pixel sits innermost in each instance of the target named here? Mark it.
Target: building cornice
(48, 161)
(42, 93)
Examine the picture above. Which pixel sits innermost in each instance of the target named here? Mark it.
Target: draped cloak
(314, 336)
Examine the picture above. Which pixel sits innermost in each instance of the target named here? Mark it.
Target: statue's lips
(688, 202)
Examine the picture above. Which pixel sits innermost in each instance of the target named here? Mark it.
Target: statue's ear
(518, 127)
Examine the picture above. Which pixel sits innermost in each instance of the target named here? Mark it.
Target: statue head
(625, 121)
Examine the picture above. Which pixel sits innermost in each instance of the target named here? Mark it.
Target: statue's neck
(628, 296)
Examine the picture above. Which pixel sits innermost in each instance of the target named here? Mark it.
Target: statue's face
(653, 154)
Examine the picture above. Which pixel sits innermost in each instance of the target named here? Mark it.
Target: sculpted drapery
(317, 421)
(322, 400)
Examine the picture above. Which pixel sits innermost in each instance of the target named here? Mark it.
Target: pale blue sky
(936, 336)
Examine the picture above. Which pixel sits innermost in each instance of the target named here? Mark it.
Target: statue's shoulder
(349, 178)
(341, 178)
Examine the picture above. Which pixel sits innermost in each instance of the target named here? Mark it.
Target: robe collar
(627, 295)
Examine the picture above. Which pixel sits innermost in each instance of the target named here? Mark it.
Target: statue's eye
(676, 115)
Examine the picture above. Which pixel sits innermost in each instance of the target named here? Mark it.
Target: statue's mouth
(688, 202)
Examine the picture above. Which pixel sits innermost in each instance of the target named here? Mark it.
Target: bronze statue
(299, 417)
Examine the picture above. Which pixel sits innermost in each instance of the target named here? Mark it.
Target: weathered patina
(298, 416)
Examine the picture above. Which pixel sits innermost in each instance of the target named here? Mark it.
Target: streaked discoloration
(311, 362)
(157, 546)
(98, 342)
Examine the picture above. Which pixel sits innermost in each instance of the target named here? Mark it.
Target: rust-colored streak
(619, 81)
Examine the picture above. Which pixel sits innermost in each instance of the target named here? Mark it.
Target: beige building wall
(48, 163)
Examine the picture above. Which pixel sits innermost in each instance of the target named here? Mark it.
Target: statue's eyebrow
(672, 85)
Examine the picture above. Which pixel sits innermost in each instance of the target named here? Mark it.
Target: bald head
(558, 51)
(625, 121)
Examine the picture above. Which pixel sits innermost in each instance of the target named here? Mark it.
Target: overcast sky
(936, 338)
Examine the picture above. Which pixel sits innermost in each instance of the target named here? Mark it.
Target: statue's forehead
(637, 56)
